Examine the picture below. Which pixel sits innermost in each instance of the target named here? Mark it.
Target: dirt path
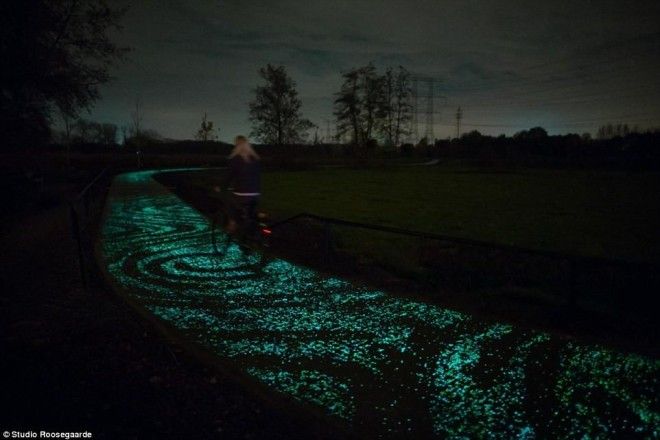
(380, 364)
(75, 360)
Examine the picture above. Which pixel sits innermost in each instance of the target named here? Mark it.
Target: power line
(459, 116)
(426, 101)
(571, 97)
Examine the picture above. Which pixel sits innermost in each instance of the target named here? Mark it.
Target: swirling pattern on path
(383, 365)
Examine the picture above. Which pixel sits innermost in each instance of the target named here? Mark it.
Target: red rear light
(266, 231)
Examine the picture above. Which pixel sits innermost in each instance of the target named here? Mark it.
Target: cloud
(512, 56)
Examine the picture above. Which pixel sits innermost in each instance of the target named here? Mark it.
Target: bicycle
(237, 223)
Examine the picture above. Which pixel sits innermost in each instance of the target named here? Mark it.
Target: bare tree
(275, 112)
(348, 107)
(401, 105)
(386, 112)
(135, 127)
(395, 106)
(108, 133)
(316, 140)
(206, 131)
(85, 131)
(358, 105)
(67, 125)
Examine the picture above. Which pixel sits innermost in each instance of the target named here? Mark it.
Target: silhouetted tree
(150, 135)
(358, 105)
(54, 54)
(85, 131)
(608, 131)
(395, 106)
(67, 123)
(473, 136)
(67, 127)
(92, 132)
(317, 139)
(275, 112)
(108, 134)
(348, 107)
(535, 133)
(206, 131)
(137, 115)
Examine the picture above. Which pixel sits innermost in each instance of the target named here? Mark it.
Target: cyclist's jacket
(243, 178)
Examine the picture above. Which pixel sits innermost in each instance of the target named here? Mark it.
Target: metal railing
(577, 270)
(84, 212)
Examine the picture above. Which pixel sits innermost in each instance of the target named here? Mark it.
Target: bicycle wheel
(219, 238)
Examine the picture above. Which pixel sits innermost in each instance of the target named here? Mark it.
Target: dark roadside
(76, 360)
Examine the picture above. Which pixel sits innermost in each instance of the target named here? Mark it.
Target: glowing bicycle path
(384, 365)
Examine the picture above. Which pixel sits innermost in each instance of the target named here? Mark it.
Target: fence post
(75, 229)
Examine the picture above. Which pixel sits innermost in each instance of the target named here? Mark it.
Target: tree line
(634, 149)
(84, 131)
(369, 107)
(56, 55)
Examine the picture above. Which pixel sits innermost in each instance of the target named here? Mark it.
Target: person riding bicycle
(244, 182)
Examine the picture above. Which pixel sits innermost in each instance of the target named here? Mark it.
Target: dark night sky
(566, 65)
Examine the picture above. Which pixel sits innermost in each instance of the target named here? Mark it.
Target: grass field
(593, 213)
(588, 213)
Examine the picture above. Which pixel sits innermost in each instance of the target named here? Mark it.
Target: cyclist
(243, 181)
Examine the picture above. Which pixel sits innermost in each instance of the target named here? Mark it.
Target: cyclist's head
(243, 149)
(240, 139)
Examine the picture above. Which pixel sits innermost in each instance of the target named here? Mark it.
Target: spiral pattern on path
(385, 365)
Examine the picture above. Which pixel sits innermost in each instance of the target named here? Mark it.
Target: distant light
(266, 231)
